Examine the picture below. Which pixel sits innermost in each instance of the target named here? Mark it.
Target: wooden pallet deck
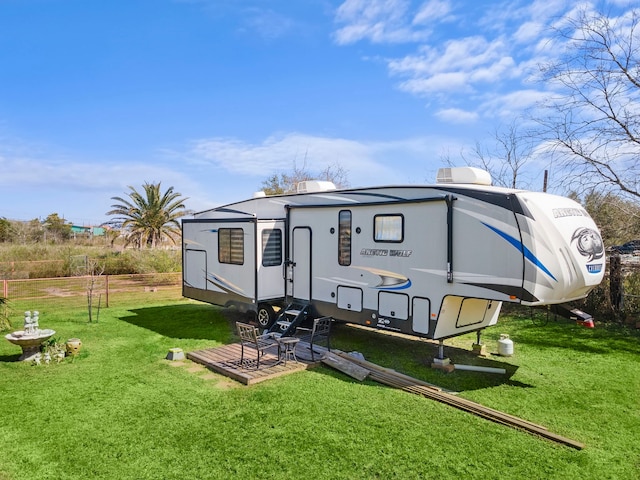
(226, 361)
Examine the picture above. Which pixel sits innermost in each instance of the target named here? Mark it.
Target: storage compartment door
(393, 305)
(350, 298)
(421, 315)
(195, 269)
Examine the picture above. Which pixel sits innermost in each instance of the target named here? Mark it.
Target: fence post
(106, 294)
(5, 289)
(615, 282)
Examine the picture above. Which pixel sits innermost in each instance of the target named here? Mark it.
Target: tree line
(148, 218)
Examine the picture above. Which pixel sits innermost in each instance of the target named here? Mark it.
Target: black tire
(265, 315)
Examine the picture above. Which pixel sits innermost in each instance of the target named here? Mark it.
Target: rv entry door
(300, 273)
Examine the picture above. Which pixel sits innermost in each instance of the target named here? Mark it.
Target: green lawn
(119, 410)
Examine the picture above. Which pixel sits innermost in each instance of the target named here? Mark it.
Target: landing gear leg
(441, 362)
(478, 348)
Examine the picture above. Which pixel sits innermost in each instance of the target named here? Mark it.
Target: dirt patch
(195, 368)
(224, 383)
(216, 380)
(176, 363)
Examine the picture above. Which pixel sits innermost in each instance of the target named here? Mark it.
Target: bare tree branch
(593, 121)
(287, 182)
(505, 160)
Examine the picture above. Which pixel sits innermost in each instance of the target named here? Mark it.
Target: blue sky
(213, 96)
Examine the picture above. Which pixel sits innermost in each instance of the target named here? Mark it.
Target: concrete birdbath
(31, 337)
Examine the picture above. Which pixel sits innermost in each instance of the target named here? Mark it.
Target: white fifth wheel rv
(432, 261)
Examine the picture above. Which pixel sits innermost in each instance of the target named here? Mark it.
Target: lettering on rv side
(400, 253)
(569, 212)
(383, 252)
(374, 252)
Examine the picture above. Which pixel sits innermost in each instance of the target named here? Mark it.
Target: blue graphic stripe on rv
(528, 254)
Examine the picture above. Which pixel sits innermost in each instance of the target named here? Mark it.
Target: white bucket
(505, 346)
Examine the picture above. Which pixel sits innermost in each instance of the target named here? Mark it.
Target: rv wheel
(265, 315)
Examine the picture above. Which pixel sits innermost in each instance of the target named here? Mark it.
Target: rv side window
(388, 228)
(344, 238)
(271, 247)
(231, 246)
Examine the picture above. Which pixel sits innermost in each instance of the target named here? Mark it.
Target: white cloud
(42, 180)
(456, 115)
(464, 54)
(282, 152)
(503, 68)
(278, 152)
(504, 17)
(497, 63)
(450, 82)
(543, 11)
(379, 21)
(512, 103)
(528, 32)
(209, 172)
(420, 63)
(72, 175)
(431, 11)
(366, 162)
(456, 67)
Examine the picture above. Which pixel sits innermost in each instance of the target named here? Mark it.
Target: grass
(119, 410)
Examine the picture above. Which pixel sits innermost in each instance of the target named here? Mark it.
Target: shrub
(162, 261)
(5, 323)
(46, 261)
(599, 305)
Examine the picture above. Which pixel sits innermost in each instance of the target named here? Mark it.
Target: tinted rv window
(271, 247)
(231, 246)
(388, 228)
(344, 237)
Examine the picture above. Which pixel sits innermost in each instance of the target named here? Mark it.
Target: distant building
(88, 231)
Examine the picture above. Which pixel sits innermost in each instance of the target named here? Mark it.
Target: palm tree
(151, 217)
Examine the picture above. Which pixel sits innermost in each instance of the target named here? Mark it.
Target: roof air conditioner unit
(313, 186)
(472, 175)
